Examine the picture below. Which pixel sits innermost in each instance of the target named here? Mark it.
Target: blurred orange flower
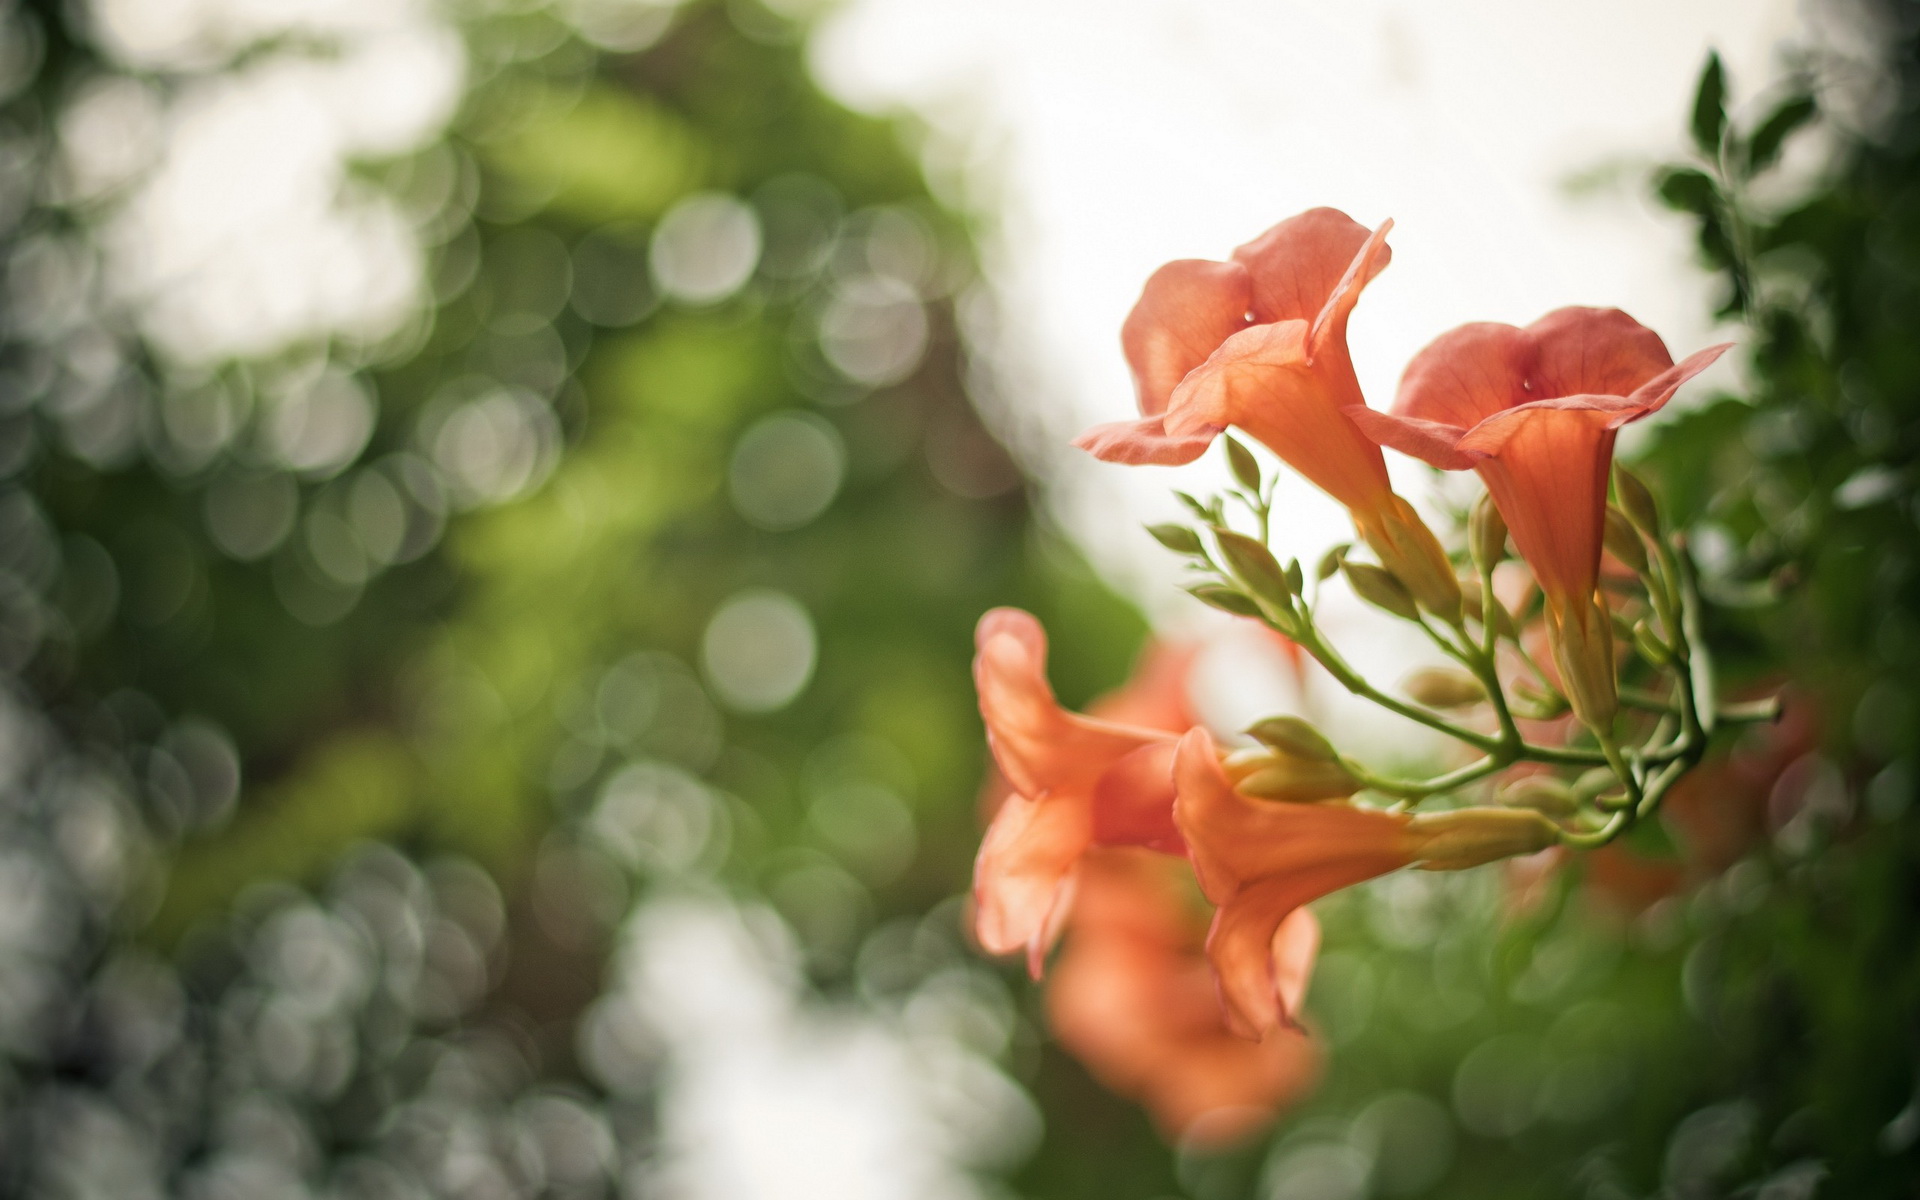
(1259, 342)
(1133, 999)
(1261, 860)
(1535, 411)
(1076, 781)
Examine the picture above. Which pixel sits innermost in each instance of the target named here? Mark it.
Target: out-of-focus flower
(1261, 860)
(1260, 342)
(1535, 412)
(1077, 781)
(1133, 999)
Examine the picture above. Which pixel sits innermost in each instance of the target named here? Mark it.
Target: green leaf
(1378, 587)
(1245, 468)
(1331, 560)
(1254, 566)
(1710, 107)
(1782, 123)
(1194, 506)
(1179, 539)
(1225, 599)
(1294, 736)
(1686, 190)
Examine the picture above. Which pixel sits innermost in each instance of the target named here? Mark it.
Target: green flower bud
(1623, 541)
(1444, 687)
(1486, 534)
(1542, 793)
(1293, 736)
(1379, 588)
(1636, 501)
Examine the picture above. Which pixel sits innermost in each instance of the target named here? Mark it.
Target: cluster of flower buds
(1605, 628)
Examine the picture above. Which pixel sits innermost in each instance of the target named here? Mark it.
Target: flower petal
(1040, 747)
(1146, 442)
(1299, 263)
(1261, 380)
(1155, 695)
(1022, 877)
(1234, 840)
(1596, 351)
(1546, 467)
(1653, 395)
(1260, 861)
(1429, 441)
(1330, 324)
(1133, 802)
(1466, 375)
(1133, 999)
(1187, 308)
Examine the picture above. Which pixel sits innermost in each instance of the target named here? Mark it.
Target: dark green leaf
(1710, 107)
(1765, 146)
(1689, 191)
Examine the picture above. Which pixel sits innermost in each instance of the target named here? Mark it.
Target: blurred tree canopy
(354, 694)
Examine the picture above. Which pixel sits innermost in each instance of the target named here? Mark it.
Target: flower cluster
(1106, 811)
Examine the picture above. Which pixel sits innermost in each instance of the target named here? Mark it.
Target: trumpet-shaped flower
(1261, 860)
(1535, 411)
(1260, 342)
(1077, 781)
(1133, 999)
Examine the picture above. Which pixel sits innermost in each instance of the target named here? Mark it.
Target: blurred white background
(1510, 141)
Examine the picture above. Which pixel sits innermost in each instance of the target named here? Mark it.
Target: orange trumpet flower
(1077, 781)
(1261, 860)
(1535, 411)
(1260, 342)
(1132, 998)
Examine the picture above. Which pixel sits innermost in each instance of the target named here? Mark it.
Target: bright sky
(1102, 138)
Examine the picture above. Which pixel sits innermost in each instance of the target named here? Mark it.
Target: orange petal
(1299, 263)
(1132, 998)
(1155, 695)
(1023, 874)
(1260, 861)
(1039, 746)
(1466, 375)
(1593, 351)
(1330, 324)
(1429, 441)
(1261, 380)
(1653, 395)
(1133, 802)
(1546, 468)
(1186, 310)
(1234, 840)
(1146, 442)
(1296, 944)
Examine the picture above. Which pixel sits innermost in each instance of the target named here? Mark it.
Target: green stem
(1420, 789)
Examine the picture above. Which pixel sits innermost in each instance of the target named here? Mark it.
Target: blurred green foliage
(580, 465)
